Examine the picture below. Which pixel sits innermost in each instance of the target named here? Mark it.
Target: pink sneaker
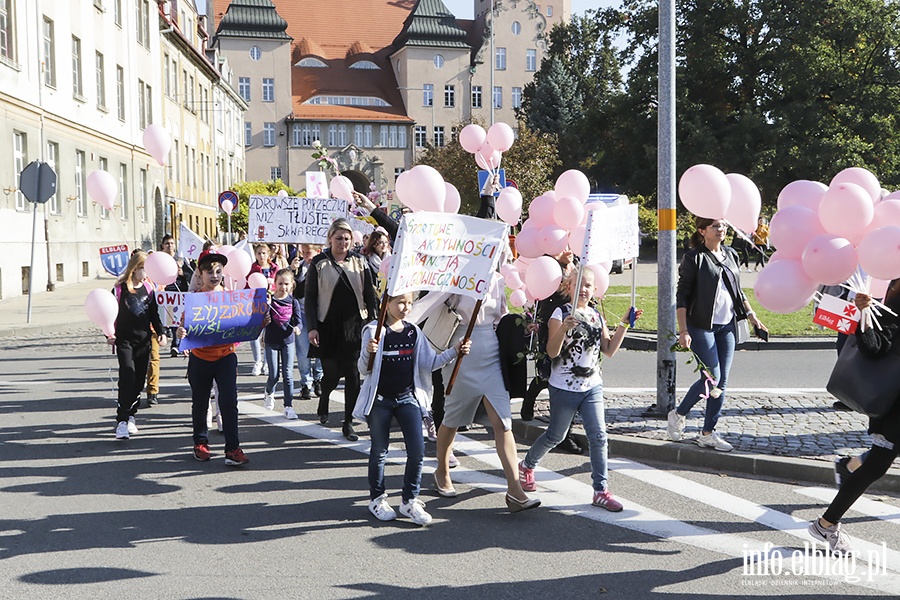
(605, 500)
(526, 478)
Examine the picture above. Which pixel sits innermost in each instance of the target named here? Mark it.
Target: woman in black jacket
(872, 342)
(709, 302)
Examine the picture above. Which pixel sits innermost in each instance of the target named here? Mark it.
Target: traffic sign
(114, 259)
(37, 182)
(228, 195)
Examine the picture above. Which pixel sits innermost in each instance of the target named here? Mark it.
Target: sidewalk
(792, 437)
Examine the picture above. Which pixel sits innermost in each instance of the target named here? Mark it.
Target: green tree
(531, 162)
(240, 215)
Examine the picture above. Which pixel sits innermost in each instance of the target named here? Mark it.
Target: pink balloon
(284, 193)
(568, 212)
(427, 185)
(472, 137)
(404, 190)
(238, 266)
(541, 210)
(705, 191)
(861, 177)
(591, 207)
(743, 210)
(776, 256)
(161, 268)
(553, 240)
(521, 265)
(792, 228)
(357, 237)
(879, 253)
(385, 266)
(802, 193)
(601, 280)
(518, 298)
(887, 212)
(257, 281)
(226, 250)
(103, 188)
(509, 205)
(530, 224)
(487, 158)
(157, 143)
(846, 210)
(543, 277)
(228, 206)
(451, 199)
(878, 288)
(528, 242)
(783, 287)
(341, 188)
(892, 196)
(576, 239)
(829, 259)
(514, 281)
(501, 136)
(574, 184)
(102, 308)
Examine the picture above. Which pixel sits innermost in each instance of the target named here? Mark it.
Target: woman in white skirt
(480, 382)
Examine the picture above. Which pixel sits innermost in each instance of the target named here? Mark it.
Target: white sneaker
(381, 509)
(714, 440)
(269, 402)
(430, 432)
(415, 510)
(219, 422)
(453, 462)
(676, 425)
(265, 368)
(132, 426)
(290, 414)
(122, 431)
(257, 368)
(837, 541)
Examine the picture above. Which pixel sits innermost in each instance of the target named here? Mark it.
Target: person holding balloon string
(709, 302)
(268, 268)
(131, 339)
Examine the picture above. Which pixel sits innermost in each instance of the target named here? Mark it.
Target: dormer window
(365, 64)
(309, 61)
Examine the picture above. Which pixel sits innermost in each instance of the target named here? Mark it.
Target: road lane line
(870, 508)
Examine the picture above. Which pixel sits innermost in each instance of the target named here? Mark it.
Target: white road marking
(870, 508)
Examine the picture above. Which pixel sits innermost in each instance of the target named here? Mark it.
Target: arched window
(365, 64)
(309, 61)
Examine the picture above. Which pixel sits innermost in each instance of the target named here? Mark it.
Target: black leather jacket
(698, 284)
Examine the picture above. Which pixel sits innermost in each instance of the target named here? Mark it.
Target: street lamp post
(493, 61)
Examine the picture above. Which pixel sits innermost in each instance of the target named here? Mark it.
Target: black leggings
(876, 464)
(332, 371)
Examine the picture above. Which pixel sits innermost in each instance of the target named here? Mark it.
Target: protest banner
(171, 307)
(114, 259)
(445, 252)
(611, 234)
(213, 318)
(190, 245)
(837, 314)
(316, 184)
(293, 220)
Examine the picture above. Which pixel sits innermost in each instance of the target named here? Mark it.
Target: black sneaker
(143, 403)
(841, 472)
(317, 388)
(153, 399)
(841, 406)
(173, 352)
(570, 445)
(349, 432)
(304, 393)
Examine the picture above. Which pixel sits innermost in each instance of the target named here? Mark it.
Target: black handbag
(867, 385)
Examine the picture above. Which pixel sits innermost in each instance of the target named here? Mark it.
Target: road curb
(56, 329)
(690, 455)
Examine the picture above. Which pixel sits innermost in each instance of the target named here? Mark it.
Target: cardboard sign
(837, 314)
(171, 307)
(213, 318)
(316, 184)
(445, 252)
(293, 220)
(190, 245)
(114, 259)
(611, 234)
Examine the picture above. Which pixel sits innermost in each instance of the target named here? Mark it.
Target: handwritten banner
(293, 220)
(213, 318)
(611, 234)
(445, 252)
(171, 307)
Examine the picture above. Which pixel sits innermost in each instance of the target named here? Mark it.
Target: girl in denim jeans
(398, 386)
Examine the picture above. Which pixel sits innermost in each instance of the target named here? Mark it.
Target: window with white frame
(439, 136)
(476, 96)
(80, 165)
(143, 23)
(142, 108)
(516, 28)
(316, 133)
(383, 136)
(296, 135)
(500, 61)
(269, 134)
(358, 135)
(531, 59)
(167, 75)
(117, 12)
(392, 137)
(549, 11)
(244, 88)
(342, 135)
(7, 31)
(367, 136)
(173, 173)
(102, 164)
(449, 96)
(421, 136)
(120, 92)
(438, 61)
(52, 158)
(401, 137)
(20, 154)
(498, 96)
(332, 135)
(77, 82)
(268, 89)
(255, 53)
(123, 190)
(101, 81)
(428, 94)
(397, 172)
(275, 173)
(49, 55)
(517, 97)
(142, 190)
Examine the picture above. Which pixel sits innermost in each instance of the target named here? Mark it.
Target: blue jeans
(715, 347)
(409, 416)
(201, 374)
(563, 405)
(256, 349)
(287, 371)
(310, 368)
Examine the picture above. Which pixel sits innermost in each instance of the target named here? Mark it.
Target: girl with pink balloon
(709, 302)
(132, 339)
(578, 340)
(265, 266)
(284, 311)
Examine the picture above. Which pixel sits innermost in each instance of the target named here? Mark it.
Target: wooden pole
(466, 337)
(382, 315)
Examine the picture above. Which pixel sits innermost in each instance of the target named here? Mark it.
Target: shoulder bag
(867, 385)
(440, 326)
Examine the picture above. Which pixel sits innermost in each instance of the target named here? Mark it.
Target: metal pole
(665, 358)
(493, 61)
(34, 206)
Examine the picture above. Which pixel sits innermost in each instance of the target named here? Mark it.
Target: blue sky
(464, 9)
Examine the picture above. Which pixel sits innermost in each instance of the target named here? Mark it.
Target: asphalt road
(86, 516)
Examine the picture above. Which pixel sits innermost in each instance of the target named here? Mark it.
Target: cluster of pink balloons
(709, 193)
(423, 188)
(556, 222)
(823, 233)
(487, 146)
